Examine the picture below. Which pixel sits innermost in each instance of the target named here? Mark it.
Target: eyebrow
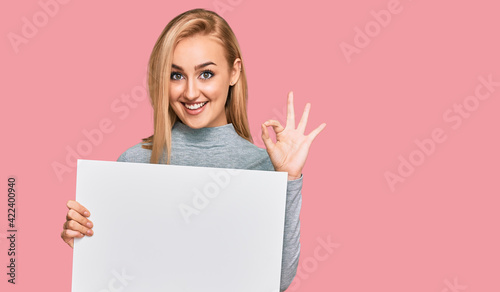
(195, 67)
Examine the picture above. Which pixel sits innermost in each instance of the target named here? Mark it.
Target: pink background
(437, 230)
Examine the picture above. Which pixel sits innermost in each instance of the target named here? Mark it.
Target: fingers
(75, 221)
(290, 118)
(315, 132)
(73, 215)
(265, 137)
(277, 127)
(303, 120)
(76, 226)
(78, 207)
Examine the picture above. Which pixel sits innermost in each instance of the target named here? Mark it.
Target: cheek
(214, 90)
(174, 94)
(174, 91)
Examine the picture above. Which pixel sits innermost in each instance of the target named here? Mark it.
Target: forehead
(196, 50)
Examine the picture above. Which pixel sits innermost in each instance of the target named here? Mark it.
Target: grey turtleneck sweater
(222, 147)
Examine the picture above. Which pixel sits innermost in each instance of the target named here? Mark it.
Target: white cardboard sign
(177, 228)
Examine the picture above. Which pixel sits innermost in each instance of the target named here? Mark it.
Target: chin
(203, 119)
(193, 124)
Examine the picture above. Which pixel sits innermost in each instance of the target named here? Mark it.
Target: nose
(191, 90)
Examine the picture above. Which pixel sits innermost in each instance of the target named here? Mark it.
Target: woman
(198, 91)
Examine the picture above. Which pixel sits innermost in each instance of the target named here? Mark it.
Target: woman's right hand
(77, 224)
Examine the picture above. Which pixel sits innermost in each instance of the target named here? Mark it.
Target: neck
(213, 135)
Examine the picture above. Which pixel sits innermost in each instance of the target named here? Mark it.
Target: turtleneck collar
(214, 135)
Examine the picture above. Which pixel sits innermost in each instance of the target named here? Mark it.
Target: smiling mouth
(194, 106)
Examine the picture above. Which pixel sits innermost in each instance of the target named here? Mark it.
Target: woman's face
(200, 82)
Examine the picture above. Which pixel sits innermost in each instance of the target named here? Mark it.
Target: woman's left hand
(290, 151)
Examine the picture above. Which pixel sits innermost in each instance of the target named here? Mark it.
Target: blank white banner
(177, 228)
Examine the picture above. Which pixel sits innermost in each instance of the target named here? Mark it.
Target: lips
(194, 106)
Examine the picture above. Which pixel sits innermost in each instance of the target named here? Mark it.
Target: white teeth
(195, 106)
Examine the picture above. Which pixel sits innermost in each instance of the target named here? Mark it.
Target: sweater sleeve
(291, 236)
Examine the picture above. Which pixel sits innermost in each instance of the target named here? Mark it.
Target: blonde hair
(187, 24)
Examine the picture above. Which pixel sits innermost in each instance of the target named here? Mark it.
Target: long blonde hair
(187, 24)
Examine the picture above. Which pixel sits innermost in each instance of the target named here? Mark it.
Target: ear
(235, 71)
